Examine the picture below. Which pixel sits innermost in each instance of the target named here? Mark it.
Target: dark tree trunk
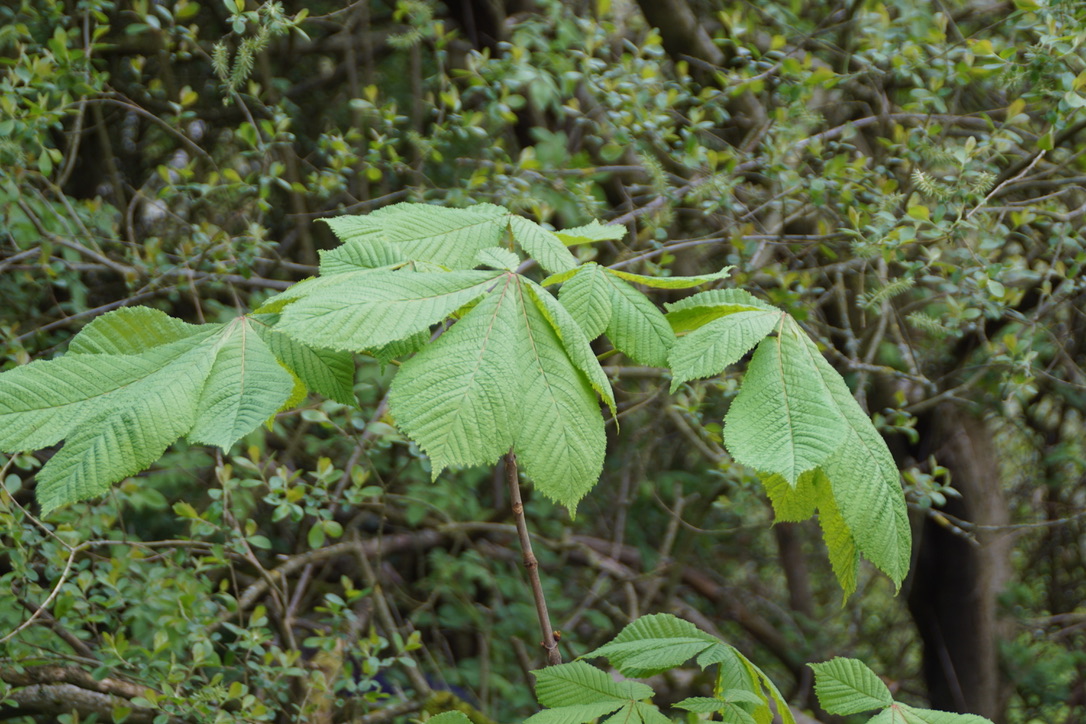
(956, 579)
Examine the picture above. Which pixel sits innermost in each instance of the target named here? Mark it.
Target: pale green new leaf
(764, 684)
(672, 282)
(708, 350)
(783, 420)
(703, 307)
(847, 686)
(730, 711)
(637, 327)
(370, 252)
(655, 643)
(359, 311)
(541, 244)
(326, 372)
(130, 330)
(421, 232)
(587, 296)
(245, 386)
(591, 232)
(865, 481)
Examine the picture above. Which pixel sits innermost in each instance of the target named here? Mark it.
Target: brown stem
(550, 642)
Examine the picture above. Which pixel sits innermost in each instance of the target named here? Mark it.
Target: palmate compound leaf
(514, 372)
(578, 692)
(784, 419)
(449, 237)
(125, 393)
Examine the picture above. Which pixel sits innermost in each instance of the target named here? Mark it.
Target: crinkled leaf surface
(364, 310)
(784, 419)
(325, 371)
(587, 296)
(578, 692)
(848, 686)
(541, 244)
(514, 372)
(865, 480)
(655, 643)
(125, 393)
(369, 252)
(671, 282)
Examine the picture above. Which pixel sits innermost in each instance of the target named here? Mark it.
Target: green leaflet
(708, 350)
(449, 237)
(369, 252)
(124, 394)
(496, 257)
(784, 419)
(840, 544)
(672, 282)
(513, 372)
(587, 296)
(865, 481)
(704, 307)
(848, 686)
(421, 232)
(541, 244)
(602, 302)
(590, 233)
(792, 504)
(326, 372)
(578, 692)
(655, 643)
(363, 310)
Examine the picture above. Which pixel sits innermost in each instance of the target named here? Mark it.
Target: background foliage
(904, 179)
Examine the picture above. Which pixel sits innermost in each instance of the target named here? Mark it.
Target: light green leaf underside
(671, 282)
(655, 643)
(245, 386)
(501, 377)
(118, 412)
(370, 252)
(591, 232)
(457, 396)
(637, 327)
(541, 244)
(783, 420)
(791, 504)
(130, 330)
(400, 348)
(362, 311)
(326, 372)
(421, 232)
(865, 481)
(703, 307)
(838, 536)
(496, 257)
(848, 686)
(587, 297)
(708, 350)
